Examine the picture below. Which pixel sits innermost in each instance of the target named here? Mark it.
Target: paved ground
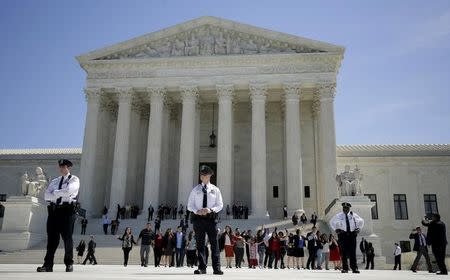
(20, 271)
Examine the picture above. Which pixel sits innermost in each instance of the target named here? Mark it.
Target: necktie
(58, 201)
(422, 241)
(347, 223)
(205, 199)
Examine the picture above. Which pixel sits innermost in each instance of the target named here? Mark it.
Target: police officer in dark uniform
(205, 202)
(347, 226)
(61, 193)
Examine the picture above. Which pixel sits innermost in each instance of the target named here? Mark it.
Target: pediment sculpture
(349, 182)
(209, 40)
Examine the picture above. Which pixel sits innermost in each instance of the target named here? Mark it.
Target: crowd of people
(276, 249)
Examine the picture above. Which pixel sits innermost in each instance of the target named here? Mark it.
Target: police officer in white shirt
(347, 226)
(205, 202)
(61, 195)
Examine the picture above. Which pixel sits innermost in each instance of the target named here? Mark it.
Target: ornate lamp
(212, 136)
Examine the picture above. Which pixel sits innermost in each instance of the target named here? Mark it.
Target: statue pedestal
(362, 206)
(24, 223)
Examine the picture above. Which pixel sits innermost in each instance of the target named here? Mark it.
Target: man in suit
(437, 238)
(420, 246)
(180, 239)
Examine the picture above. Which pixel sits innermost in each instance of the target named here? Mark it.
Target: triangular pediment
(209, 36)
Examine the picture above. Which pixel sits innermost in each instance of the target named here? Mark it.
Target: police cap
(65, 162)
(346, 204)
(206, 170)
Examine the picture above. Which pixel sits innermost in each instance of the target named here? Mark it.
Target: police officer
(61, 194)
(347, 226)
(205, 202)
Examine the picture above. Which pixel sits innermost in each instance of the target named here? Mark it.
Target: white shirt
(338, 221)
(398, 251)
(213, 195)
(68, 191)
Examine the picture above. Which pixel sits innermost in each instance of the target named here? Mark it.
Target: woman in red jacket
(274, 246)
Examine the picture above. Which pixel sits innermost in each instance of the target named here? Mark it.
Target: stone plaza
(24, 272)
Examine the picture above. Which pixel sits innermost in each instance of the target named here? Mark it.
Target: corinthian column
(259, 201)
(154, 147)
(88, 193)
(225, 143)
(120, 162)
(294, 188)
(327, 190)
(189, 96)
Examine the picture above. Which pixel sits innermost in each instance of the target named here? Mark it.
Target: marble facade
(270, 90)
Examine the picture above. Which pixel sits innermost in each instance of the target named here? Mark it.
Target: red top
(158, 241)
(274, 244)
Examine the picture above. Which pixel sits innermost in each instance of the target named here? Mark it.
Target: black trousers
(157, 254)
(312, 252)
(398, 261)
(191, 257)
(90, 256)
(126, 254)
(179, 256)
(439, 254)
(347, 243)
(239, 256)
(60, 222)
(203, 226)
(370, 262)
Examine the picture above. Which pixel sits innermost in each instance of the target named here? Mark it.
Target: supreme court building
(154, 101)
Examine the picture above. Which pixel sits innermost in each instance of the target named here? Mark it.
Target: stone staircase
(108, 249)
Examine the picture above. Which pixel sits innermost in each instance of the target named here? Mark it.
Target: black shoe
(430, 271)
(200, 271)
(69, 268)
(355, 271)
(218, 272)
(44, 269)
(413, 270)
(344, 271)
(442, 273)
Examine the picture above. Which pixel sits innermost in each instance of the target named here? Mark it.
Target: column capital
(258, 91)
(225, 91)
(124, 94)
(189, 93)
(156, 93)
(327, 91)
(92, 95)
(292, 91)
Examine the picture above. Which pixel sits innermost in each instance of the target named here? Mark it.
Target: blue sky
(393, 87)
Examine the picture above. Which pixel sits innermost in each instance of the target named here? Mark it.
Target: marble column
(87, 197)
(186, 175)
(326, 146)
(154, 147)
(120, 161)
(225, 143)
(294, 185)
(258, 94)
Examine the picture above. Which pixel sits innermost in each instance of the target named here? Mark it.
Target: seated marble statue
(33, 187)
(349, 183)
